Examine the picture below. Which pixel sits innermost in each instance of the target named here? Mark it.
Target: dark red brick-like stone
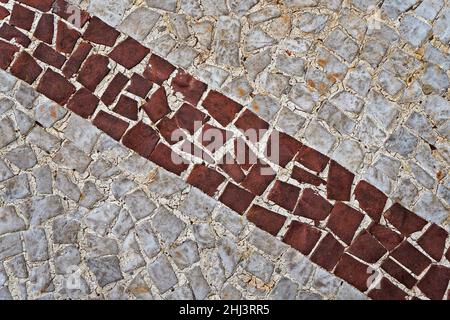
(304, 176)
(76, 59)
(206, 179)
(302, 237)
(188, 116)
(435, 282)
(21, 17)
(243, 154)
(213, 138)
(99, 32)
(433, 241)
(353, 271)
(236, 198)
(42, 5)
(158, 70)
(139, 86)
(281, 148)
(367, 248)
(339, 182)
(447, 255)
(251, 125)
(233, 169)
(8, 32)
(157, 106)
(45, 28)
(258, 179)
(7, 52)
(83, 103)
(411, 258)
(56, 87)
(164, 156)
(221, 108)
(265, 219)
(49, 55)
(328, 252)
(284, 194)
(344, 221)
(111, 125)
(387, 291)
(68, 12)
(127, 107)
(129, 53)
(66, 38)
(404, 220)
(142, 139)
(3, 12)
(94, 70)
(312, 159)
(26, 68)
(313, 206)
(388, 238)
(370, 199)
(396, 271)
(114, 88)
(191, 88)
(168, 127)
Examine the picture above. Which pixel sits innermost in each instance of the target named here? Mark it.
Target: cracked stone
(204, 235)
(41, 279)
(18, 266)
(336, 118)
(381, 109)
(121, 187)
(101, 218)
(147, 238)
(5, 105)
(389, 83)
(343, 45)
(275, 83)
(123, 224)
(257, 63)
(40, 209)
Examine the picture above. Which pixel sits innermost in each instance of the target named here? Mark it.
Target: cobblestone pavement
(357, 92)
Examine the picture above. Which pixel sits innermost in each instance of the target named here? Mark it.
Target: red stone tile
(42, 5)
(411, 258)
(243, 154)
(129, 53)
(387, 291)
(397, 272)
(284, 194)
(114, 88)
(353, 271)
(344, 221)
(67, 11)
(21, 17)
(157, 106)
(191, 88)
(312, 159)
(94, 70)
(302, 237)
(447, 255)
(251, 125)
(56, 87)
(265, 219)
(221, 108)
(313, 206)
(435, 282)
(158, 70)
(388, 238)
(99, 32)
(3, 12)
(127, 107)
(49, 55)
(66, 38)
(236, 198)
(187, 117)
(258, 179)
(404, 220)
(370, 199)
(433, 241)
(167, 127)
(206, 179)
(83, 103)
(111, 125)
(213, 138)
(339, 182)
(76, 59)
(45, 28)
(26, 68)
(142, 139)
(8, 32)
(328, 252)
(7, 52)
(281, 148)
(164, 156)
(232, 169)
(139, 86)
(367, 248)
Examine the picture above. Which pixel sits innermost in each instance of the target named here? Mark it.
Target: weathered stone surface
(185, 255)
(139, 205)
(11, 222)
(66, 259)
(65, 231)
(105, 269)
(42, 139)
(198, 283)
(101, 218)
(168, 226)
(259, 266)
(71, 157)
(65, 184)
(162, 274)
(110, 11)
(8, 132)
(139, 23)
(197, 204)
(23, 157)
(16, 188)
(36, 244)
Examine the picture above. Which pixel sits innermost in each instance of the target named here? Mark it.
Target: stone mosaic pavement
(356, 206)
